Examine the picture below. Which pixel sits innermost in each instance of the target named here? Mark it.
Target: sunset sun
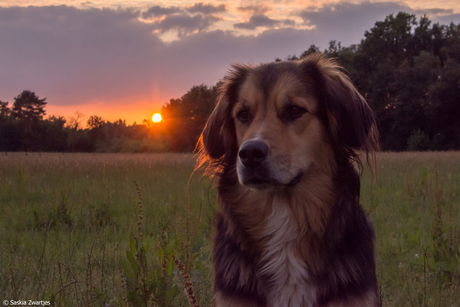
(156, 118)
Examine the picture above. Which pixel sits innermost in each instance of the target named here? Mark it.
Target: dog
(285, 141)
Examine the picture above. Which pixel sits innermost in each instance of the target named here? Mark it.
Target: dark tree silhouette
(185, 117)
(400, 67)
(95, 122)
(4, 110)
(28, 108)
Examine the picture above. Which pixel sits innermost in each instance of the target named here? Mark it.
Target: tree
(334, 49)
(186, 117)
(74, 122)
(4, 110)
(95, 122)
(390, 39)
(412, 82)
(9, 130)
(444, 106)
(96, 125)
(313, 49)
(28, 108)
(384, 71)
(53, 134)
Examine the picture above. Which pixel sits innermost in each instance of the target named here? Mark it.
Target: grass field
(104, 229)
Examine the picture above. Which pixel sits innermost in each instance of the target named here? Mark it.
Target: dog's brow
(308, 102)
(250, 93)
(240, 104)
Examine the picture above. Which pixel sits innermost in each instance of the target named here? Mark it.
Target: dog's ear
(218, 137)
(215, 133)
(350, 119)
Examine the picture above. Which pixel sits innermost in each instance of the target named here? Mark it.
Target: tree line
(23, 127)
(407, 69)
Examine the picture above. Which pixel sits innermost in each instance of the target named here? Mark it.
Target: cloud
(206, 9)
(254, 9)
(346, 22)
(261, 21)
(198, 8)
(442, 16)
(158, 11)
(446, 19)
(185, 24)
(75, 56)
(257, 21)
(185, 20)
(208, 55)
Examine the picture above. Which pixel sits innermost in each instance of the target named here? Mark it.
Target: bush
(418, 141)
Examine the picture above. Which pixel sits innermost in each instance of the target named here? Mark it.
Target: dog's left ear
(350, 119)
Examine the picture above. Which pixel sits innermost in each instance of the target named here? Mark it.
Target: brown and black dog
(284, 140)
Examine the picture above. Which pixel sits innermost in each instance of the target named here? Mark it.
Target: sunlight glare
(156, 118)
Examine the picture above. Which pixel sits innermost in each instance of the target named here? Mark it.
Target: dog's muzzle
(253, 153)
(255, 171)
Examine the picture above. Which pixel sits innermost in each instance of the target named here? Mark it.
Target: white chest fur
(287, 272)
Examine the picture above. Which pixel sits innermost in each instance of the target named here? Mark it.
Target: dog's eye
(294, 112)
(243, 116)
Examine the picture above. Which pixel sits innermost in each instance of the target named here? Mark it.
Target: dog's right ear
(213, 138)
(218, 138)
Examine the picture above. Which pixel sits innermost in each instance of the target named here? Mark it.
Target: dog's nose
(252, 153)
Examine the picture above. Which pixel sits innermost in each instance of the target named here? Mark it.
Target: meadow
(136, 229)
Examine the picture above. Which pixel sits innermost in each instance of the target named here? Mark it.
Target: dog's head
(278, 121)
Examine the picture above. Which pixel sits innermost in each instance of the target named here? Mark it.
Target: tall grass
(415, 207)
(136, 229)
(67, 221)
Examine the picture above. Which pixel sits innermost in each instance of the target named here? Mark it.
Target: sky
(126, 59)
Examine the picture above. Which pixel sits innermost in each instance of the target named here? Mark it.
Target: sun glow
(156, 118)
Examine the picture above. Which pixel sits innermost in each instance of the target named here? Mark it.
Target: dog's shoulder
(236, 263)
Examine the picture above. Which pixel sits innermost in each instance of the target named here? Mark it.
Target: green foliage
(148, 283)
(418, 141)
(400, 67)
(152, 280)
